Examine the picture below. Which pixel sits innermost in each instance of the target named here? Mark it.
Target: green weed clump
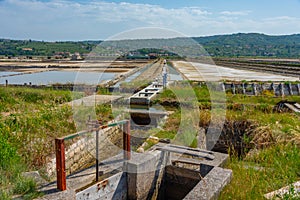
(134, 85)
(262, 172)
(274, 161)
(11, 167)
(30, 120)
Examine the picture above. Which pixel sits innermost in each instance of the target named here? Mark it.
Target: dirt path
(152, 72)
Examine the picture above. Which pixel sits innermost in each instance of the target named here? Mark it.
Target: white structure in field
(165, 74)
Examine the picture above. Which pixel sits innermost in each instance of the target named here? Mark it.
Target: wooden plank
(187, 161)
(187, 152)
(292, 107)
(297, 105)
(191, 149)
(150, 112)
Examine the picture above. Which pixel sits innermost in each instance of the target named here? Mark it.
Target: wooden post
(60, 164)
(126, 141)
(233, 88)
(291, 89)
(223, 87)
(281, 87)
(244, 89)
(254, 89)
(272, 88)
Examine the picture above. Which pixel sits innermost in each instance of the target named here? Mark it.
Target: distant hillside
(252, 44)
(41, 48)
(235, 45)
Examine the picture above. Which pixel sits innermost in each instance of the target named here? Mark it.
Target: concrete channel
(164, 172)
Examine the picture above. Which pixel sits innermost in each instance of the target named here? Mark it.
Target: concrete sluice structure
(166, 171)
(144, 96)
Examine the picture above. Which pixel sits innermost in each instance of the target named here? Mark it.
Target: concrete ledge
(211, 185)
(114, 187)
(145, 173)
(285, 190)
(65, 195)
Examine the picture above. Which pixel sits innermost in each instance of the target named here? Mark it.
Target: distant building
(27, 49)
(60, 55)
(76, 56)
(153, 55)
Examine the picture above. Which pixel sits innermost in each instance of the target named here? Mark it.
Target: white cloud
(67, 20)
(281, 18)
(235, 13)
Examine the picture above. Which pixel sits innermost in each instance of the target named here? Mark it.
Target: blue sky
(53, 20)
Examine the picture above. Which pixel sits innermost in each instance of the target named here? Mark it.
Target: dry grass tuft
(262, 137)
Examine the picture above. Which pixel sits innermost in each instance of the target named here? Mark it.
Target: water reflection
(63, 77)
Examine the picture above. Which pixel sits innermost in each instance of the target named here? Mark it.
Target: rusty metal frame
(60, 164)
(60, 150)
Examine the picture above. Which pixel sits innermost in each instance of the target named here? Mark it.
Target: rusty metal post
(60, 164)
(97, 155)
(126, 141)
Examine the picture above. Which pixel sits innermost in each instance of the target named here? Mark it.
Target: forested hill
(252, 44)
(235, 45)
(42, 48)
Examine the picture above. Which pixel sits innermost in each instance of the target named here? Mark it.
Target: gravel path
(152, 72)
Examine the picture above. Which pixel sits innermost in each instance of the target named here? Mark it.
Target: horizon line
(203, 36)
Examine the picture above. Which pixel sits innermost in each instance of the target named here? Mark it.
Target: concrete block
(114, 187)
(211, 185)
(279, 193)
(145, 174)
(65, 195)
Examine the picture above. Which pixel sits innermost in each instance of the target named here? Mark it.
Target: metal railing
(60, 149)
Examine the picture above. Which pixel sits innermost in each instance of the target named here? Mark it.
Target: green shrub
(24, 185)
(4, 195)
(8, 153)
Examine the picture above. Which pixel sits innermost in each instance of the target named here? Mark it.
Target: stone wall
(82, 152)
(277, 89)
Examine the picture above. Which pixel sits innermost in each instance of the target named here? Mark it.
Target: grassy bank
(30, 120)
(273, 160)
(263, 171)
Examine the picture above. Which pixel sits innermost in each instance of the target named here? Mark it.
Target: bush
(24, 185)
(8, 154)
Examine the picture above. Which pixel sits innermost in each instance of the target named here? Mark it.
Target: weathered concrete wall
(145, 174)
(115, 187)
(65, 195)
(278, 89)
(211, 185)
(178, 182)
(151, 176)
(83, 151)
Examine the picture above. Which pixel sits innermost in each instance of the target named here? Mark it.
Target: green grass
(278, 163)
(11, 167)
(265, 171)
(134, 85)
(30, 120)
